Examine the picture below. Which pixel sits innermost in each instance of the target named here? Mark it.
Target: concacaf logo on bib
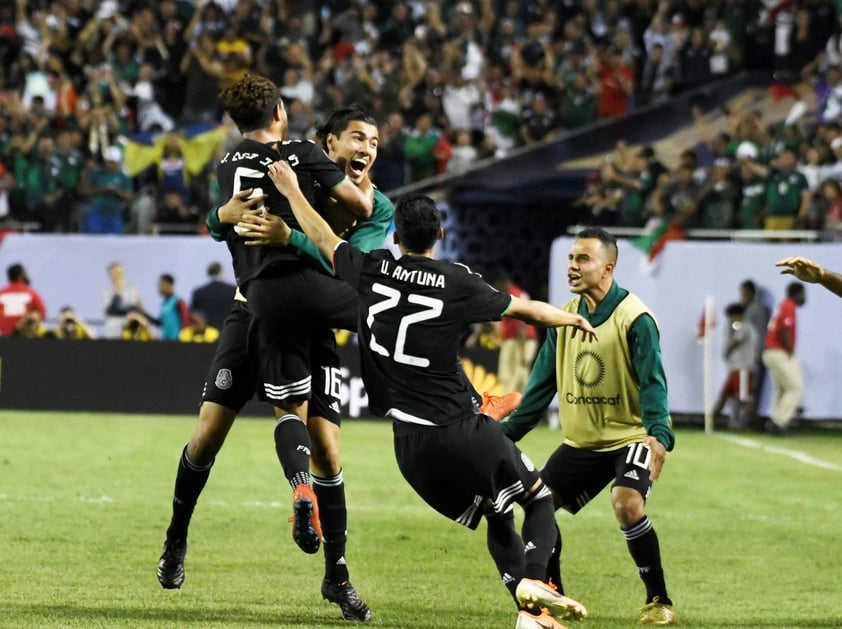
(224, 379)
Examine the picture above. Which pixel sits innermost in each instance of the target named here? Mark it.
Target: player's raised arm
(541, 313)
(311, 222)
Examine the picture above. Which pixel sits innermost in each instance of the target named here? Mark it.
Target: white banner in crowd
(675, 290)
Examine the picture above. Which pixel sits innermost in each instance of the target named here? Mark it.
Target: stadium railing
(803, 235)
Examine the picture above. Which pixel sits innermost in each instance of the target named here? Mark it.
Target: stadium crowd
(452, 81)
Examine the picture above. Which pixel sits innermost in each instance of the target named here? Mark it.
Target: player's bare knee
(325, 461)
(628, 506)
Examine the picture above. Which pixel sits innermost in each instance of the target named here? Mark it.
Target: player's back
(413, 313)
(247, 166)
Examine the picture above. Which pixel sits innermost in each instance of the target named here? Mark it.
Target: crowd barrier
(147, 377)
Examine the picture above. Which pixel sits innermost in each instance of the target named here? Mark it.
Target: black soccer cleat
(343, 594)
(171, 564)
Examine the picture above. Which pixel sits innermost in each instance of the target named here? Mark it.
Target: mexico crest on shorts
(224, 379)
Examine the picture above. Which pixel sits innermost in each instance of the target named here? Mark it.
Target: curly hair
(251, 102)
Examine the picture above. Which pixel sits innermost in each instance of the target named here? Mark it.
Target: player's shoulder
(301, 148)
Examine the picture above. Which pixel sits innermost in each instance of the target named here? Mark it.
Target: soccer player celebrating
(294, 304)
(413, 311)
(613, 397)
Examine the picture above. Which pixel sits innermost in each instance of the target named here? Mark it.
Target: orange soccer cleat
(306, 528)
(498, 407)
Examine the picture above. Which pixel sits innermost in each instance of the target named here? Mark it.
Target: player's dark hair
(794, 289)
(735, 310)
(609, 241)
(417, 221)
(166, 277)
(339, 120)
(214, 269)
(250, 102)
(15, 272)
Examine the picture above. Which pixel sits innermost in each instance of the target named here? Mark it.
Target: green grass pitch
(751, 534)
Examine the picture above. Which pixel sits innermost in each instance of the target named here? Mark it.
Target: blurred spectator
(17, 299)
(197, 330)
(202, 72)
(787, 194)
(464, 155)
(660, 77)
(39, 184)
(234, 53)
(213, 299)
(109, 191)
(719, 197)
(30, 326)
(741, 347)
(418, 148)
(616, 84)
(538, 120)
(518, 342)
(71, 327)
(830, 206)
(174, 313)
(694, 61)
(389, 171)
(579, 100)
(150, 115)
(67, 164)
(118, 300)
(779, 359)
(176, 216)
(136, 327)
(756, 314)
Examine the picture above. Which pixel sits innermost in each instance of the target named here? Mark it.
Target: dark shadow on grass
(230, 615)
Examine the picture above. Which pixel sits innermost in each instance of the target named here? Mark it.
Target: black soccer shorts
(578, 475)
(290, 311)
(463, 470)
(231, 381)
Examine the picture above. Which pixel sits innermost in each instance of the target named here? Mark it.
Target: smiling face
(354, 149)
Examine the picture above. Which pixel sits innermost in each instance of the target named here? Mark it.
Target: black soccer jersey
(413, 312)
(247, 166)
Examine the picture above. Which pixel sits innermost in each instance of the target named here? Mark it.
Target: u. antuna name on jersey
(246, 166)
(413, 311)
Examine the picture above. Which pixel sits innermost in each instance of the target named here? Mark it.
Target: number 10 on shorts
(639, 454)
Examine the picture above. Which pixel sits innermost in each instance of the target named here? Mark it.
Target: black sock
(333, 515)
(644, 549)
(506, 548)
(189, 482)
(554, 565)
(538, 533)
(292, 444)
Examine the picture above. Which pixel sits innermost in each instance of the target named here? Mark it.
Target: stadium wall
(147, 377)
(676, 286)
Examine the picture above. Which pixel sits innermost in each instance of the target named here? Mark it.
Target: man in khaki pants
(779, 359)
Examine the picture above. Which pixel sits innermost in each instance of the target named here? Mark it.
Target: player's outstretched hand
(580, 323)
(264, 229)
(802, 268)
(239, 205)
(284, 177)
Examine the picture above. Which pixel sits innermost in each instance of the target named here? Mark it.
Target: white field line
(801, 457)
